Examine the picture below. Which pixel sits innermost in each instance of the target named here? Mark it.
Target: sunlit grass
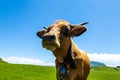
(26, 72)
(104, 73)
(32, 72)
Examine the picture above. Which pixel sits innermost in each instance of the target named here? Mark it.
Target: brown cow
(57, 38)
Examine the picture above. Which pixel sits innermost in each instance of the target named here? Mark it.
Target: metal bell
(63, 73)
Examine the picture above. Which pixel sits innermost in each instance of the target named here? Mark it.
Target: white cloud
(108, 59)
(23, 60)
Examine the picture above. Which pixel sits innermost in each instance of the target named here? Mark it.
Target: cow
(71, 62)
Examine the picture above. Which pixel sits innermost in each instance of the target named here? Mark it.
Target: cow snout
(49, 37)
(50, 42)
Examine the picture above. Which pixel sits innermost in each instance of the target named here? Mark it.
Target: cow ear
(77, 30)
(41, 33)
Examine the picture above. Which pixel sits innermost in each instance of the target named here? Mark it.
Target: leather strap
(69, 59)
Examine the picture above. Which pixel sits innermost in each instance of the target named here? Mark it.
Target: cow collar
(63, 71)
(69, 58)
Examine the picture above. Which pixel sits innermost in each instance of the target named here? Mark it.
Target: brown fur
(61, 45)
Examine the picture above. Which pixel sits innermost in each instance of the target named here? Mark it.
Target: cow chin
(50, 45)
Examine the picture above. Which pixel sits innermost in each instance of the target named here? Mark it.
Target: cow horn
(84, 23)
(45, 28)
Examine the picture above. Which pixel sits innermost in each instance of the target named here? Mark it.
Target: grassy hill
(1, 61)
(26, 72)
(32, 72)
(104, 73)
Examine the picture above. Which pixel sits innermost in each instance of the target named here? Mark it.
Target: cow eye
(65, 31)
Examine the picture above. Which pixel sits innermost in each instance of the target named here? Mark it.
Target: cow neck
(69, 58)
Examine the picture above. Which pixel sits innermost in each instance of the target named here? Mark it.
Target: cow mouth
(50, 45)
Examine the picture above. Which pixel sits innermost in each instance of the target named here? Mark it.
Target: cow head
(58, 34)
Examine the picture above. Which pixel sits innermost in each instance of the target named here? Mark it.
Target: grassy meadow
(104, 73)
(32, 72)
(26, 72)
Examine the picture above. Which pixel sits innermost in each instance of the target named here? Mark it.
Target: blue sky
(21, 19)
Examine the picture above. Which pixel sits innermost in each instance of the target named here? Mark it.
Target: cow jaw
(51, 45)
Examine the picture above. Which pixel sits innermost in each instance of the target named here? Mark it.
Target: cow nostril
(49, 37)
(52, 37)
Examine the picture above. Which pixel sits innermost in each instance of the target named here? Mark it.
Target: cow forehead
(59, 24)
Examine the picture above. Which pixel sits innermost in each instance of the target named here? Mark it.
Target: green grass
(26, 72)
(32, 72)
(104, 73)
